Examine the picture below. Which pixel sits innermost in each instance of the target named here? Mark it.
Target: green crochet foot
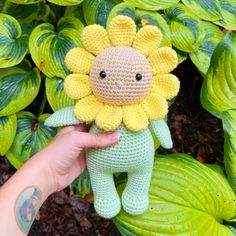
(107, 206)
(135, 195)
(107, 202)
(135, 204)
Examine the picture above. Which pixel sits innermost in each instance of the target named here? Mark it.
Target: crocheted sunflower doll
(121, 82)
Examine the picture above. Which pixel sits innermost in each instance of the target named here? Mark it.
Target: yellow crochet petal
(87, 108)
(77, 86)
(122, 31)
(134, 118)
(78, 60)
(95, 39)
(155, 107)
(109, 117)
(163, 60)
(167, 85)
(148, 39)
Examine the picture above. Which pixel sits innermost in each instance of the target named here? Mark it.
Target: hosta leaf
(187, 31)
(56, 11)
(66, 2)
(229, 125)
(182, 56)
(216, 168)
(48, 46)
(82, 184)
(25, 65)
(97, 12)
(56, 94)
(31, 137)
(18, 88)
(75, 11)
(228, 11)
(27, 28)
(2, 2)
(186, 198)
(153, 5)
(202, 56)
(7, 132)
(13, 44)
(218, 92)
(154, 18)
(25, 1)
(27, 13)
(208, 10)
(124, 9)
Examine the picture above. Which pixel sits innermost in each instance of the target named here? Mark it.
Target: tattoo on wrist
(27, 206)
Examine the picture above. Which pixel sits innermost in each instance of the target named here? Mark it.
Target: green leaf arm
(62, 117)
(162, 132)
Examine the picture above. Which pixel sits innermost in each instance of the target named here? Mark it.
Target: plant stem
(42, 105)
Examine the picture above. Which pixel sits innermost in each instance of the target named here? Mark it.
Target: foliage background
(35, 36)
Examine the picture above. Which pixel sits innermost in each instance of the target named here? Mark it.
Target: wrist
(41, 174)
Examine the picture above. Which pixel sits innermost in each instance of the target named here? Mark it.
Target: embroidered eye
(139, 77)
(103, 74)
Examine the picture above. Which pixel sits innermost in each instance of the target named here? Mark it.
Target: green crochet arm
(62, 117)
(162, 132)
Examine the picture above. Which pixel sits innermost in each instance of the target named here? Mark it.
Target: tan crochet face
(120, 76)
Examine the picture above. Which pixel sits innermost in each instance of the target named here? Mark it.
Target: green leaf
(219, 169)
(48, 46)
(82, 184)
(75, 11)
(182, 56)
(202, 56)
(56, 12)
(186, 198)
(97, 12)
(208, 10)
(154, 18)
(18, 88)
(27, 13)
(66, 2)
(27, 28)
(25, 1)
(153, 5)
(56, 95)
(218, 91)
(228, 11)
(7, 132)
(31, 137)
(13, 44)
(2, 2)
(25, 65)
(124, 9)
(229, 125)
(187, 31)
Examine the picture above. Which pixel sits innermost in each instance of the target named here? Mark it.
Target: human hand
(65, 155)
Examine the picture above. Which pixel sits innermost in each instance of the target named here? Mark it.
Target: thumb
(86, 140)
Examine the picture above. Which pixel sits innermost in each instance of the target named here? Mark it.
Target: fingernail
(113, 137)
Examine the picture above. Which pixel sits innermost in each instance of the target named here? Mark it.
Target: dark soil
(194, 131)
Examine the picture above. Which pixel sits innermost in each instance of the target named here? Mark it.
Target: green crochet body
(133, 154)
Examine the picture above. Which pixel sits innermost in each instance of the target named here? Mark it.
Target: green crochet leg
(107, 202)
(135, 196)
(162, 132)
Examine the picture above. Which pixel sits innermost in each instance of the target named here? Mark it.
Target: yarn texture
(121, 68)
(121, 80)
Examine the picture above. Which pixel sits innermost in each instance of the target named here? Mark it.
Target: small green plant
(35, 36)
